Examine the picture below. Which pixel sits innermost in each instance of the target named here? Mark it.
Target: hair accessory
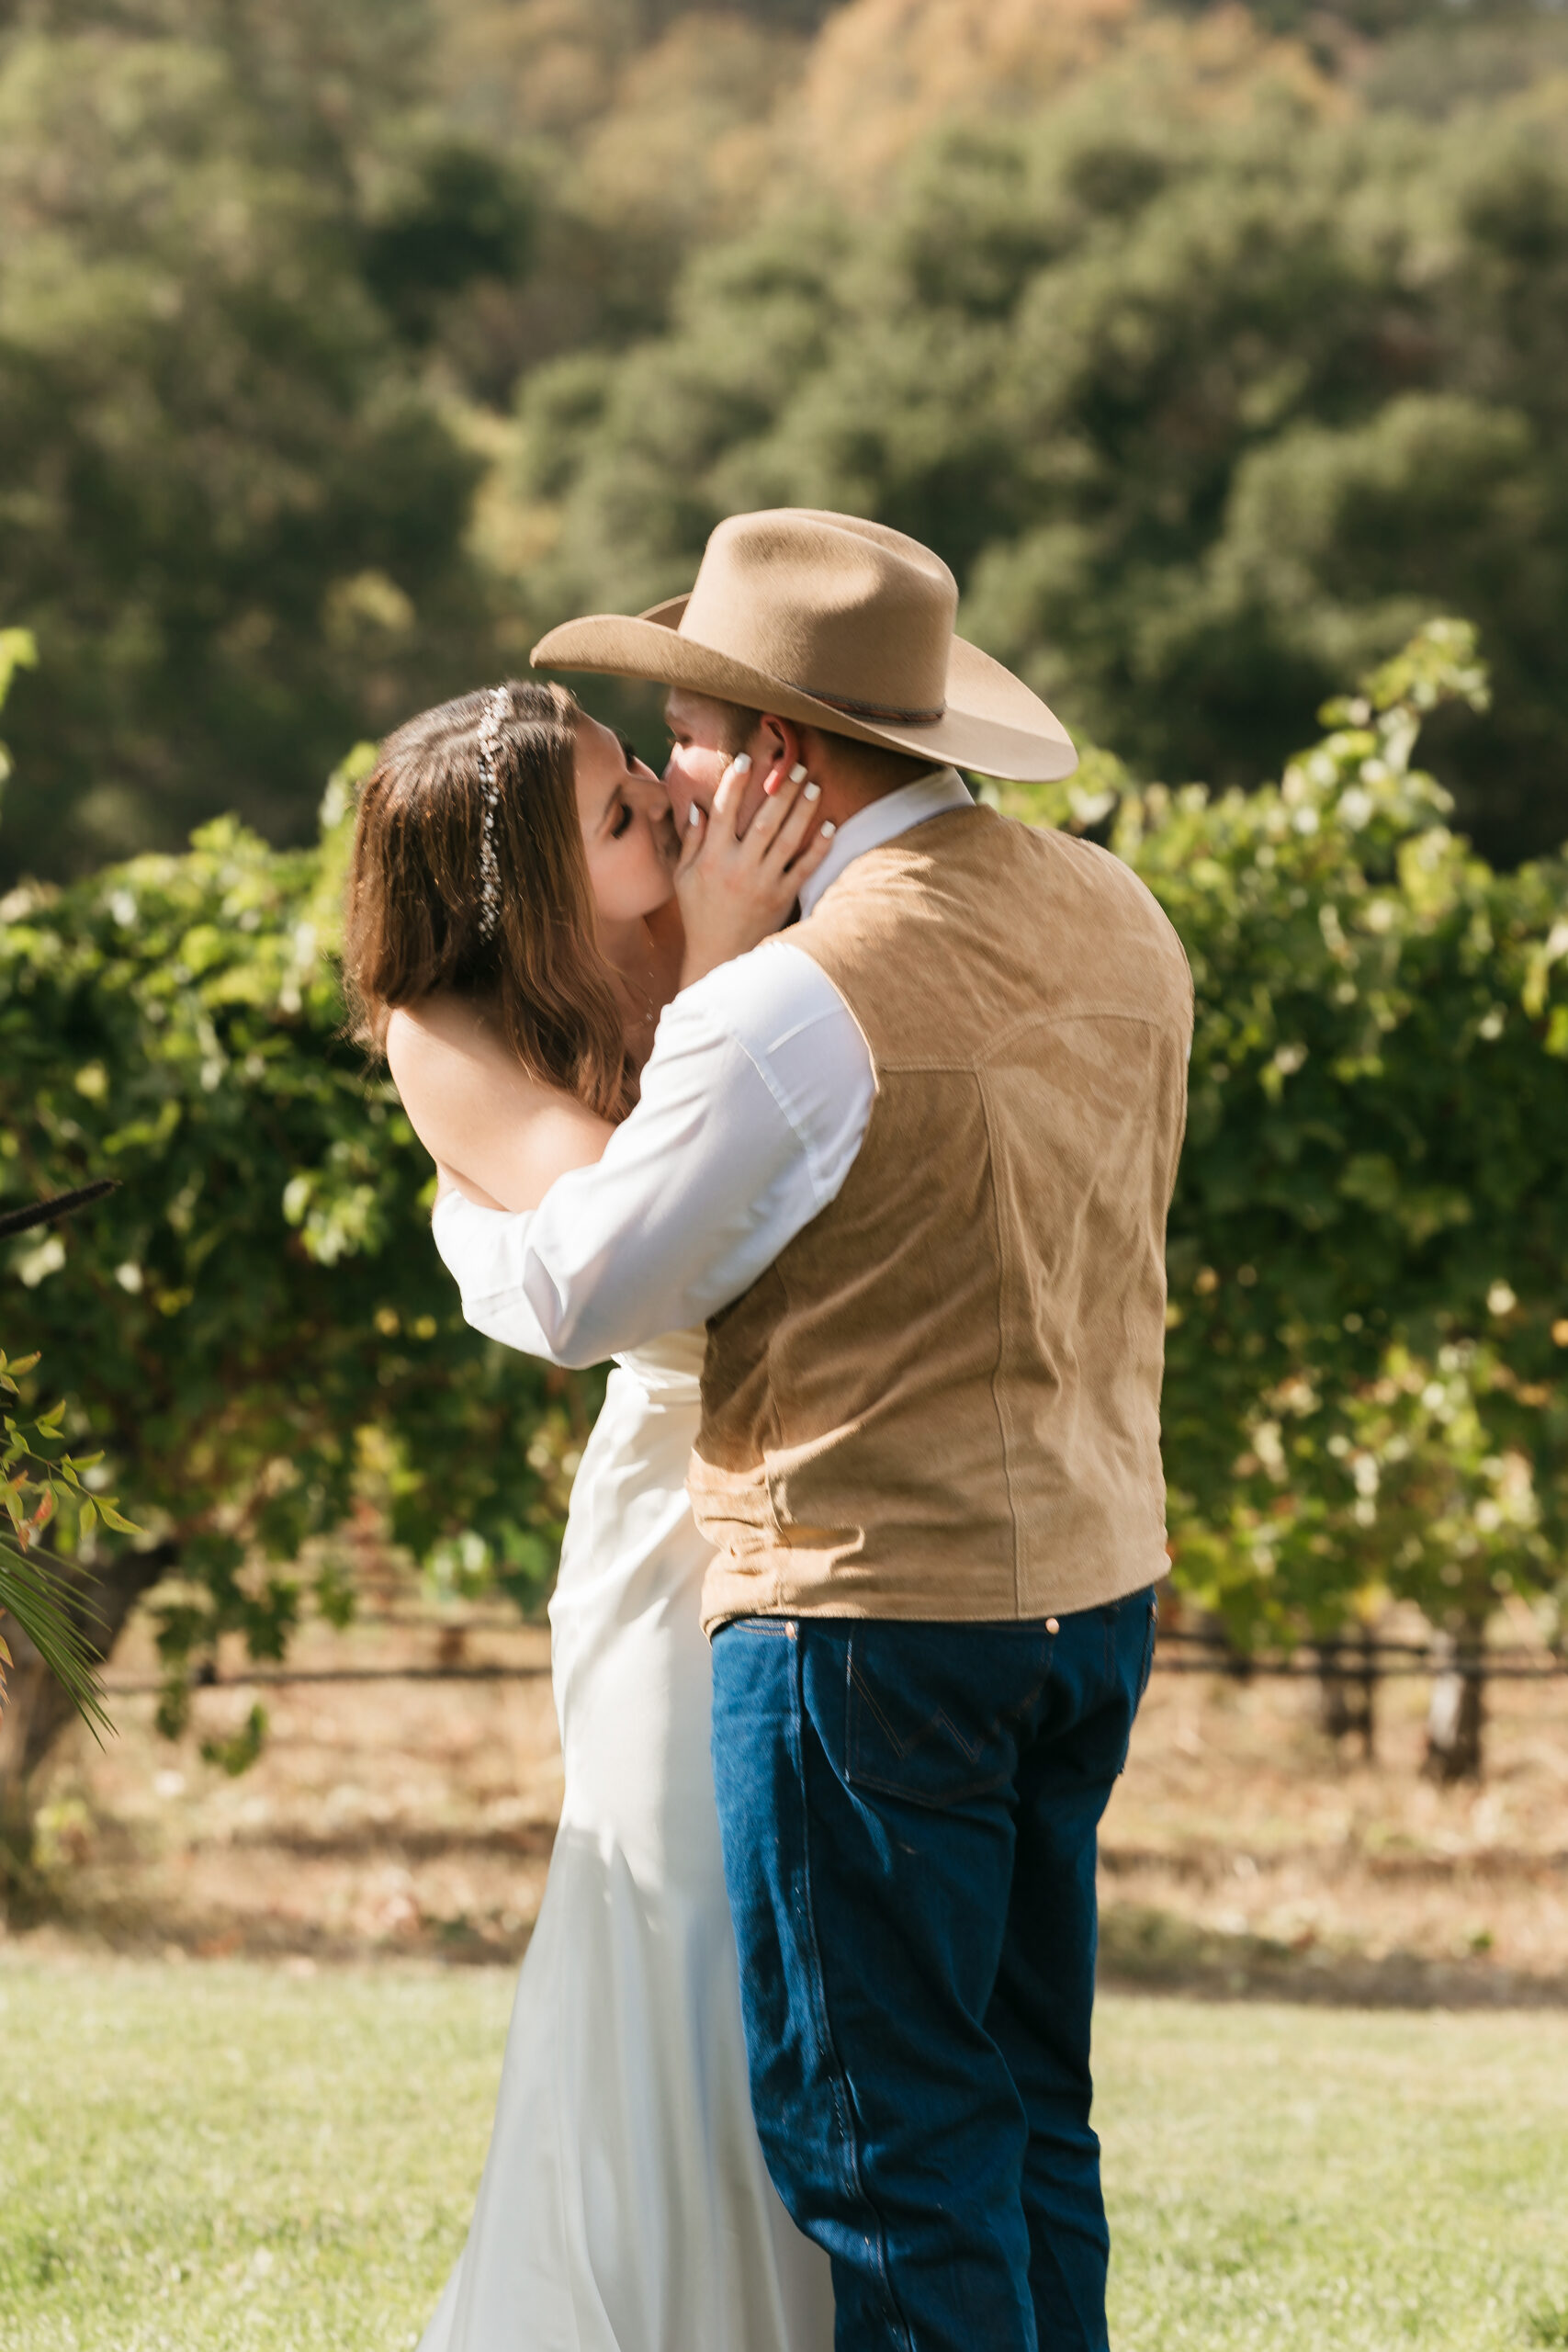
(490, 871)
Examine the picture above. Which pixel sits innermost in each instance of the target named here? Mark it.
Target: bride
(512, 933)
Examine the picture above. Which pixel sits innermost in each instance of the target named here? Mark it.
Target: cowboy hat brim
(992, 724)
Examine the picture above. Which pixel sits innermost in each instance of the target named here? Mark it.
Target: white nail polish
(693, 815)
(797, 772)
(741, 763)
(827, 832)
(812, 792)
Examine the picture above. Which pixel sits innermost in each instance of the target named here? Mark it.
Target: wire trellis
(1177, 1652)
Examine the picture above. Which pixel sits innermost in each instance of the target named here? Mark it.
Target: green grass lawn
(224, 2157)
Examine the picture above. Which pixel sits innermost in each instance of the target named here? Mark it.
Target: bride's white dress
(625, 2205)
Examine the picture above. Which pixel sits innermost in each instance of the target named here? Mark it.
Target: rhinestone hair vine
(489, 871)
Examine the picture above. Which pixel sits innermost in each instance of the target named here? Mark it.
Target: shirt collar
(883, 820)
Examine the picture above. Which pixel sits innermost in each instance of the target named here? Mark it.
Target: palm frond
(34, 1595)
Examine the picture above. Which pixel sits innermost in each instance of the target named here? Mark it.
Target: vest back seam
(770, 1503)
(1003, 1437)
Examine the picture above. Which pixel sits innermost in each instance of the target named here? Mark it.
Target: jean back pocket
(933, 1712)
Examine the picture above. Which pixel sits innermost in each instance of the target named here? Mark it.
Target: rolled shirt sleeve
(754, 1102)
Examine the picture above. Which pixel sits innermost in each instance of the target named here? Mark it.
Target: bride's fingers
(784, 815)
(731, 784)
(805, 861)
(778, 798)
(797, 823)
(691, 847)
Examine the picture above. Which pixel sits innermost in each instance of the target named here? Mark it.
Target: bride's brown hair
(481, 887)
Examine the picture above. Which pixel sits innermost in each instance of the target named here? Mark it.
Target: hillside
(316, 322)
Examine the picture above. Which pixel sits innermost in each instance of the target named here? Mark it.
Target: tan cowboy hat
(836, 622)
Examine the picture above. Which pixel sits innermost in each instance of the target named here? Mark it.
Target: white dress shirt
(754, 1102)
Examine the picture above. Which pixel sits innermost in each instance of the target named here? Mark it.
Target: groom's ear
(779, 750)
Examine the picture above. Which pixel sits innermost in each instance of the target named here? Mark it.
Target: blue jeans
(909, 1814)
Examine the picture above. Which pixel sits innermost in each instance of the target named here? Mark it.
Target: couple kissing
(844, 1113)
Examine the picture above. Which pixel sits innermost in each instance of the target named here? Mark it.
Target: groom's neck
(854, 775)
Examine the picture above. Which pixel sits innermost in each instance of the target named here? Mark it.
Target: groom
(910, 1161)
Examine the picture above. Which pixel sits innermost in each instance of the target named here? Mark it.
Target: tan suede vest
(943, 1399)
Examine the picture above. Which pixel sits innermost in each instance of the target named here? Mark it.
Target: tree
(1210, 368)
(254, 1330)
(1205, 411)
(230, 509)
(267, 269)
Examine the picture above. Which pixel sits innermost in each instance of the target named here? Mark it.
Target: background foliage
(228, 510)
(1369, 1246)
(1369, 1252)
(1205, 411)
(251, 1331)
(345, 346)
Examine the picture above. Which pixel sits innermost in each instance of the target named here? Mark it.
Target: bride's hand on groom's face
(733, 893)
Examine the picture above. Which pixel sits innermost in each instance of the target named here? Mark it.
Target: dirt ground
(1243, 1850)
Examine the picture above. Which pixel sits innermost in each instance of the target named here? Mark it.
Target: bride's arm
(501, 1138)
(496, 1135)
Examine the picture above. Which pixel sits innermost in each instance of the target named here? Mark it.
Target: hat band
(889, 713)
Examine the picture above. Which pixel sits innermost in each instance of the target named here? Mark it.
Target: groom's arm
(754, 1103)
